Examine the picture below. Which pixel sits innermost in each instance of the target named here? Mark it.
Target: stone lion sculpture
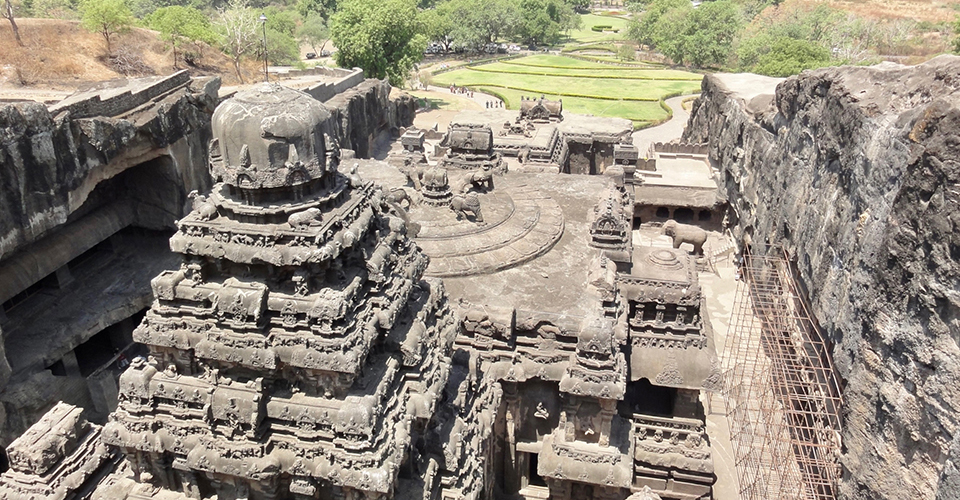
(684, 233)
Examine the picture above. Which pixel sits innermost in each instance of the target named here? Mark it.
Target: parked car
(311, 55)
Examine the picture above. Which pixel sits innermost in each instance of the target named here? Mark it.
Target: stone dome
(268, 137)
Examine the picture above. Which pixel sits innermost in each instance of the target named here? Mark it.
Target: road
(664, 132)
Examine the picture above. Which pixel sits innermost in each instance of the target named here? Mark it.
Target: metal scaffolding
(779, 386)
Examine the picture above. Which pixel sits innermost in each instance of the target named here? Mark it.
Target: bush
(788, 56)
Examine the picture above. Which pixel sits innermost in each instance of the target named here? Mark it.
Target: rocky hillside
(856, 171)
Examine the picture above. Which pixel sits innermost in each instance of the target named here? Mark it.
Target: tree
(580, 6)
(384, 38)
(789, 56)
(282, 46)
(322, 7)
(702, 37)
(313, 31)
(106, 17)
(237, 26)
(8, 15)
(542, 21)
(645, 27)
(437, 26)
(179, 25)
(477, 23)
(714, 26)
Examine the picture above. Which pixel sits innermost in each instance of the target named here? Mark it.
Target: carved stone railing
(685, 436)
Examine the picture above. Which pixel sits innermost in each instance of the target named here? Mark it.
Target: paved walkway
(478, 96)
(664, 132)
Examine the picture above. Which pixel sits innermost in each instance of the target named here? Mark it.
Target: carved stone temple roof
(268, 137)
(55, 457)
(297, 345)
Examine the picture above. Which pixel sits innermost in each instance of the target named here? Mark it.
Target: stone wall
(119, 102)
(325, 91)
(854, 171)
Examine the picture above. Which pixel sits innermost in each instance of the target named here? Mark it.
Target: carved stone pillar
(188, 484)
(512, 415)
(559, 489)
(570, 428)
(70, 364)
(63, 275)
(608, 408)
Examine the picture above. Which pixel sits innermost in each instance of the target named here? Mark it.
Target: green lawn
(544, 60)
(640, 112)
(587, 35)
(606, 71)
(586, 87)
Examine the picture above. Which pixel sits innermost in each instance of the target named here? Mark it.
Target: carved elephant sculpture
(684, 233)
(398, 195)
(481, 179)
(461, 204)
(413, 173)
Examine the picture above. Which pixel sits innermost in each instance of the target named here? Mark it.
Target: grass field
(586, 87)
(587, 35)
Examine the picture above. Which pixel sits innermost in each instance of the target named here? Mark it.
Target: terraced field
(634, 92)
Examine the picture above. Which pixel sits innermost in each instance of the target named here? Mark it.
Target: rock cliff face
(51, 164)
(362, 112)
(855, 172)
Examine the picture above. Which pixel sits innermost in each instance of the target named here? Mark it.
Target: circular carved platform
(519, 225)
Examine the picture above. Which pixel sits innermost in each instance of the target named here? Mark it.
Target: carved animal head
(670, 228)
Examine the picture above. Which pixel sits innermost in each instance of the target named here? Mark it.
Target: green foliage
(281, 20)
(700, 37)
(956, 40)
(384, 38)
(106, 17)
(180, 25)
(789, 56)
(646, 28)
(281, 29)
(479, 22)
(844, 38)
(627, 52)
(542, 21)
(324, 8)
(580, 6)
(314, 32)
(282, 48)
(436, 25)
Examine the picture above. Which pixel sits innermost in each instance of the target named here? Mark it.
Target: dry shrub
(128, 61)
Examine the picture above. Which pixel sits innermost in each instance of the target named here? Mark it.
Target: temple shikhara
(461, 321)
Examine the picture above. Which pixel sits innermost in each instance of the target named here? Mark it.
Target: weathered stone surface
(855, 172)
(53, 163)
(364, 111)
